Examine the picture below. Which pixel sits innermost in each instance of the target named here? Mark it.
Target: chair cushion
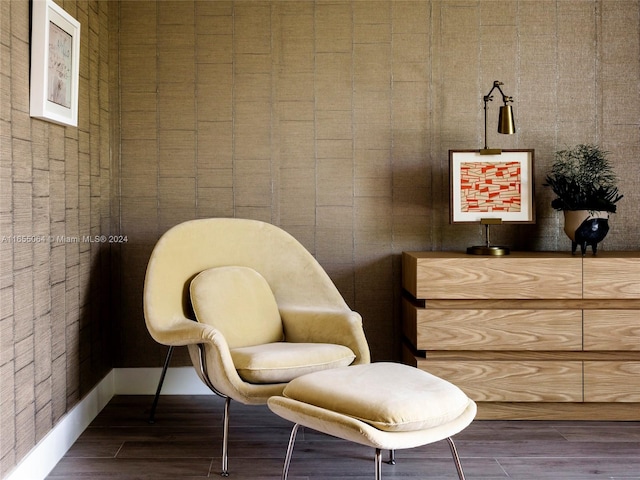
(239, 302)
(281, 362)
(389, 396)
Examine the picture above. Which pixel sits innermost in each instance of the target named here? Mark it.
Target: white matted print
(55, 62)
(492, 186)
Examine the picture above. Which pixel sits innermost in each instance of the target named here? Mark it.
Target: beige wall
(55, 182)
(331, 119)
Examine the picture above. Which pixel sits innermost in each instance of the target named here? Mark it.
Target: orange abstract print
(490, 186)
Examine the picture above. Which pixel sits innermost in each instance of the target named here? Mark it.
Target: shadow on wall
(377, 301)
(134, 346)
(97, 325)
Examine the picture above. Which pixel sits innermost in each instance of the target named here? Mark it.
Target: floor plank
(185, 443)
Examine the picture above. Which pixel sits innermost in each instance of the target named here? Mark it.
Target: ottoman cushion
(389, 396)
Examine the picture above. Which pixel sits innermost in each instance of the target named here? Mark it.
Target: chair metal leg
(456, 458)
(225, 439)
(287, 458)
(204, 375)
(152, 414)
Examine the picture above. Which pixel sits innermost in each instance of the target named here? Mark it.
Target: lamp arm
(489, 98)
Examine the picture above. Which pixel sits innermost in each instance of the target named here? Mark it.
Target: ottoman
(387, 406)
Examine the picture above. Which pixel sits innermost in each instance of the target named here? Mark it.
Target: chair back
(182, 252)
(238, 302)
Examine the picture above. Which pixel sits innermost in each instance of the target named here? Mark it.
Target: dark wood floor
(184, 443)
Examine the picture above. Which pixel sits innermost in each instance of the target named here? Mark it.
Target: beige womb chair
(252, 304)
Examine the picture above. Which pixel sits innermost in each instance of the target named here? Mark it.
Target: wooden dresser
(536, 335)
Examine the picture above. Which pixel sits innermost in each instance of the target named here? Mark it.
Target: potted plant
(586, 187)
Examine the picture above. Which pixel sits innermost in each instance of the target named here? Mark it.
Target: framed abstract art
(55, 61)
(486, 187)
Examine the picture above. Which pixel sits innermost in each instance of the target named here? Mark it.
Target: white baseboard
(120, 381)
(48, 452)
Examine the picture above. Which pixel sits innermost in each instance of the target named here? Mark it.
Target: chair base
(225, 419)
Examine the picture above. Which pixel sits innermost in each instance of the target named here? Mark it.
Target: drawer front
(611, 277)
(507, 381)
(610, 381)
(509, 277)
(612, 330)
(410, 321)
(453, 329)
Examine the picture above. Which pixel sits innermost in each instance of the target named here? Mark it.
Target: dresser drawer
(612, 277)
(511, 381)
(487, 329)
(611, 330)
(611, 381)
(514, 276)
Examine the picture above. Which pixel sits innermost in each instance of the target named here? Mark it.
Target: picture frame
(492, 188)
(55, 64)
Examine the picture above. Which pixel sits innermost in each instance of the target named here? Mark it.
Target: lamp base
(491, 151)
(488, 250)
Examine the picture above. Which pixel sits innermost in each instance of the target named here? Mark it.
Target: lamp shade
(506, 124)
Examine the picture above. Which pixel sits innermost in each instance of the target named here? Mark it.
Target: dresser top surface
(521, 255)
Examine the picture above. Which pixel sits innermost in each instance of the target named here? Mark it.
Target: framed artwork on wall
(55, 62)
(486, 187)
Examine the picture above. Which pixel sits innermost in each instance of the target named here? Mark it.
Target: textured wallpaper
(331, 119)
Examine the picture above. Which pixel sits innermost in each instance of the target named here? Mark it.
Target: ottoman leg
(378, 464)
(392, 457)
(456, 458)
(392, 461)
(287, 458)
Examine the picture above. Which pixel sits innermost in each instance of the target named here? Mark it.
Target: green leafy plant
(583, 179)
